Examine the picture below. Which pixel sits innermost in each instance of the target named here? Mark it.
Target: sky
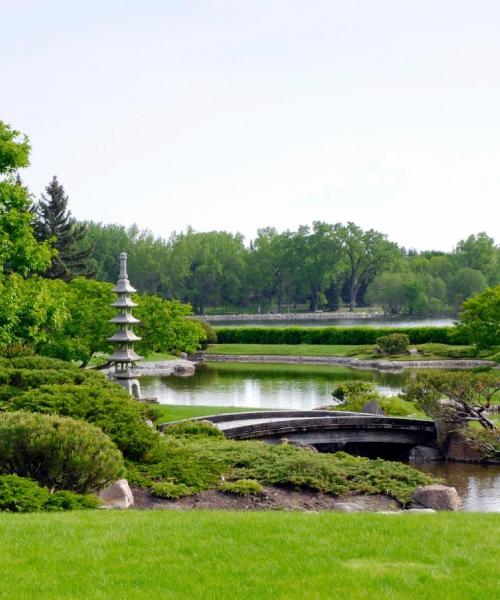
(235, 115)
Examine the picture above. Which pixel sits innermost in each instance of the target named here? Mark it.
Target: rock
(117, 495)
(372, 408)
(420, 510)
(459, 448)
(301, 445)
(436, 496)
(412, 351)
(424, 454)
(347, 507)
(150, 423)
(183, 355)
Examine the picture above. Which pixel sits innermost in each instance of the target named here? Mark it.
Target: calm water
(377, 322)
(306, 387)
(263, 386)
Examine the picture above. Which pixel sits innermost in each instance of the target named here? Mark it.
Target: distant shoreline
(308, 316)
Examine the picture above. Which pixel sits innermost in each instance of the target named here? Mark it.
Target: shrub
(26, 378)
(242, 487)
(17, 349)
(42, 362)
(397, 407)
(354, 395)
(19, 494)
(335, 335)
(58, 452)
(108, 406)
(194, 428)
(394, 343)
(170, 490)
(211, 335)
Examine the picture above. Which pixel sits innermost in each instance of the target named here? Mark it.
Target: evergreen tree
(55, 222)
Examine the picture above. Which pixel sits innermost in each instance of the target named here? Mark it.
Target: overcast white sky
(239, 114)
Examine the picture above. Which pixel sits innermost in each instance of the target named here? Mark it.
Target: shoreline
(307, 316)
(355, 363)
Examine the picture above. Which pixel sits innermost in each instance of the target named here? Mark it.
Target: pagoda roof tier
(123, 287)
(124, 319)
(124, 335)
(125, 356)
(124, 303)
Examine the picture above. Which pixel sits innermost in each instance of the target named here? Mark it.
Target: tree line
(323, 266)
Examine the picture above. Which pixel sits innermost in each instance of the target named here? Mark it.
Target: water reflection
(263, 386)
(478, 485)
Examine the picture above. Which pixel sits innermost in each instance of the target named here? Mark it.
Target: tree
(19, 249)
(54, 222)
(467, 396)
(465, 283)
(367, 252)
(480, 318)
(479, 252)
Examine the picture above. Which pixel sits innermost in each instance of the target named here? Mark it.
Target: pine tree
(54, 222)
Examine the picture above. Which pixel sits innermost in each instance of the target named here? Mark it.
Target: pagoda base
(132, 386)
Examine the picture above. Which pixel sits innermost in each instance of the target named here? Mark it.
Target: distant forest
(320, 267)
(323, 266)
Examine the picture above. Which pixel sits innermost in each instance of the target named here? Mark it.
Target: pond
(375, 322)
(263, 385)
(306, 387)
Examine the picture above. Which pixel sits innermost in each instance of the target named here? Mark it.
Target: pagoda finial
(123, 265)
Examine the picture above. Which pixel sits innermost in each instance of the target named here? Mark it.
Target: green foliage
(242, 487)
(170, 490)
(335, 335)
(480, 318)
(58, 452)
(200, 428)
(17, 349)
(54, 222)
(199, 463)
(107, 406)
(164, 326)
(19, 250)
(398, 407)
(210, 334)
(394, 343)
(20, 494)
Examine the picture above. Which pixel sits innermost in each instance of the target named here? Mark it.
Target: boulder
(117, 495)
(412, 351)
(424, 454)
(347, 507)
(436, 496)
(460, 449)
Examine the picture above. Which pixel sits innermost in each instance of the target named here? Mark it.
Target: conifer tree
(54, 222)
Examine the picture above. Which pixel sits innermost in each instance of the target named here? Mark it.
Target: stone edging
(355, 363)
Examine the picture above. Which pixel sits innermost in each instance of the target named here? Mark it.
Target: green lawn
(425, 351)
(176, 412)
(201, 555)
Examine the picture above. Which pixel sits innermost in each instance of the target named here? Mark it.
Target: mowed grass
(176, 412)
(198, 555)
(425, 351)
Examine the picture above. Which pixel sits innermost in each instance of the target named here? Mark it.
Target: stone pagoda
(124, 357)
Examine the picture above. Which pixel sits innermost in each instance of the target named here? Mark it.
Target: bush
(26, 378)
(394, 343)
(42, 363)
(17, 349)
(58, 452)
(108, 406)
(335, 335)
(211, 335)
(170, 490)
(194, 428)
(242, 487)
(397, 407)
(19, 494)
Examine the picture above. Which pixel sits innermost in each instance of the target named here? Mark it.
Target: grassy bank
(176, 412)
(188, 555)
(362, 351)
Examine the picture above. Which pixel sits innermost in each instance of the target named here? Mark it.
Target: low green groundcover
(20, 494)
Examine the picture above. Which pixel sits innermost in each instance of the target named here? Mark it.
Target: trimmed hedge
(336, 335)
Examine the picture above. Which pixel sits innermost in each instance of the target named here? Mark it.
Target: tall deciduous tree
(366, 252)
(54, 222)
(19, 249)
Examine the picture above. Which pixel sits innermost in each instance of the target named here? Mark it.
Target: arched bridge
(327, 430)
